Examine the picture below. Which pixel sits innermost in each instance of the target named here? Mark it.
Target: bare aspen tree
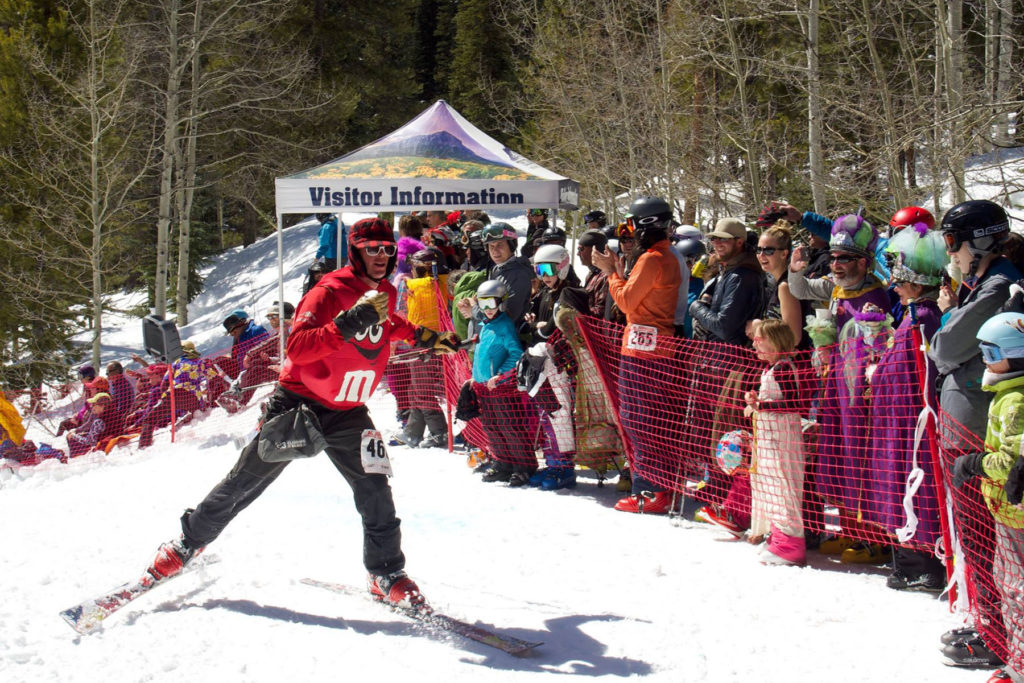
(87, 151)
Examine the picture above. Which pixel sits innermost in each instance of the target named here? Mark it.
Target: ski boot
(398, 590)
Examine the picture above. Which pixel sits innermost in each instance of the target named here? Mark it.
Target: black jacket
(739, 295)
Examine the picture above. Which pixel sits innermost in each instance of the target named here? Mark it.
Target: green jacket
(466, 286)
(1002, 445)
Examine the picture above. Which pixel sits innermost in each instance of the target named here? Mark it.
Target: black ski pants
(382, 553)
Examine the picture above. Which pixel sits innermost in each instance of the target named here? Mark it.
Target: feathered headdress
(920, 255)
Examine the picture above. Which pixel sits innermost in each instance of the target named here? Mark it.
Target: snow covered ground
(612, 595)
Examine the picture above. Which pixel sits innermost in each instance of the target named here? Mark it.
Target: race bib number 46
(642, 338)
(374, 456)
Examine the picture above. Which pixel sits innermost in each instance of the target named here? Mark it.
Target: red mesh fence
(843, 438)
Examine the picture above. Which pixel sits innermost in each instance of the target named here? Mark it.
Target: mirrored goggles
(952, 241)
(387, 249)
(487, 302)
(546, 269)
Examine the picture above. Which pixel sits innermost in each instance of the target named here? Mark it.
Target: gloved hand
(1014, 485)
(438, 342)
(967, 467)
(369, 310)
(769, 215)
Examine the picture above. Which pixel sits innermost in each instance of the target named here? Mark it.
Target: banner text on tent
(351, 196)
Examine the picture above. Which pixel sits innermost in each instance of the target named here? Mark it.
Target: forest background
(139, 137)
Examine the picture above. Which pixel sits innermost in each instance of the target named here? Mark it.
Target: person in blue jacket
(503, 414)
(328, 241)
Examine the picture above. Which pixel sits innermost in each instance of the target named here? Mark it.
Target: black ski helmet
(596, 216)
(689, 247)
(552, 235)
(650, 218)
(981, 224)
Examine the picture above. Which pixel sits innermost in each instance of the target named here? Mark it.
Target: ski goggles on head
(546, 269)
(386, 249)
(488, 302)
(624, 231)
(635, 223)
(537, 212)
(493, 233)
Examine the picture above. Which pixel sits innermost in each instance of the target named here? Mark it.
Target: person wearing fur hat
(337, 351)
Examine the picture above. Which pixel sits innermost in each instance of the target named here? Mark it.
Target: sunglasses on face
(487, 302)
(386, 249)
(767, 251)
(842, 259)
(546, 269)
(722, 239)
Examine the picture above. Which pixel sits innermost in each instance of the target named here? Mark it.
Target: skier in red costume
(337, 351)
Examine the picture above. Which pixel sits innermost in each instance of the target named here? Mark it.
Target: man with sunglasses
(538, 223)
(738, 294)
(337, 351)
(851, 283)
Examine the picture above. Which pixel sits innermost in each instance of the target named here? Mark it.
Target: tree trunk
(188, 182)
(163, 227)
(815, 152)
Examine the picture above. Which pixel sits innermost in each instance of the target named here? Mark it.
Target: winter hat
(854, 235)
(156, 370)
(920, 255)
(87, 372)
(101, 397)
(188, 349)
(236, 317)
(99, 384)
(275, 309)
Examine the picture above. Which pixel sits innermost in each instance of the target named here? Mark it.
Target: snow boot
(866, 553)
(520, 478)
(646, 503)
(498, 471)
(950, 637)
(396, 589)
(970, 652)
(924, 583)
(435, 441)
(558, 478)
(720, 518)
(171, 558)
(998, 676)
(835, 545)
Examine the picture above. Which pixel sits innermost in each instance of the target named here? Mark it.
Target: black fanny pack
(293, 434)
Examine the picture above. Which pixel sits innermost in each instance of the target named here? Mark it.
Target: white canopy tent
(437, 161)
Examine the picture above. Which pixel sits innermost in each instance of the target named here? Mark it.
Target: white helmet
(689, 231)
(554, 254)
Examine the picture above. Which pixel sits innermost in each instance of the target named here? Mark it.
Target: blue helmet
(1002, 336)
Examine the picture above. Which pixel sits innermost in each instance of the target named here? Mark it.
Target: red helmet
(911, 215)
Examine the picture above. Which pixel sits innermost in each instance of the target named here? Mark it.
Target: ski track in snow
(613, 596)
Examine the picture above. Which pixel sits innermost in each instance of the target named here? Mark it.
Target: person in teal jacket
(1001, 470)
(507, 420)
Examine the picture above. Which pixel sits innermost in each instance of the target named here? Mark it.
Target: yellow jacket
(10, 421)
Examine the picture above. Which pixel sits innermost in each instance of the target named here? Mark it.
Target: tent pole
(280, 289)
